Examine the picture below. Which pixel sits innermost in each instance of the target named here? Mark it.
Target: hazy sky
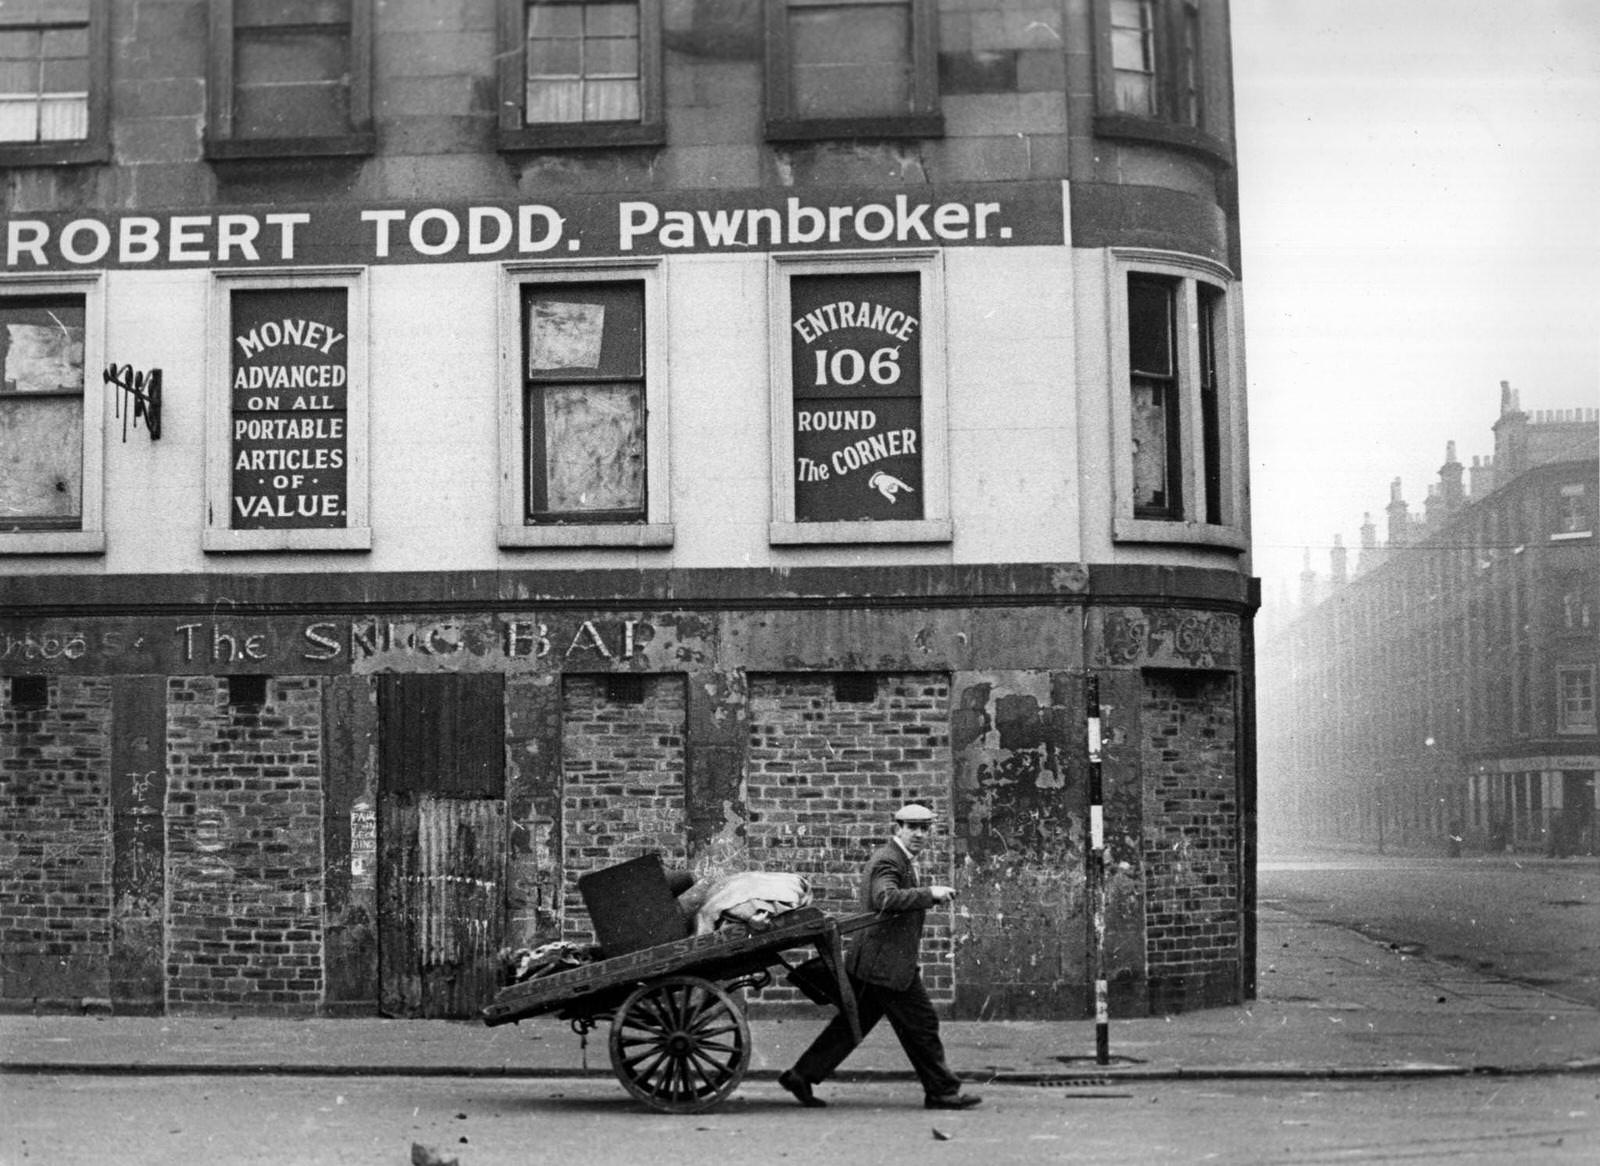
(1420, 188)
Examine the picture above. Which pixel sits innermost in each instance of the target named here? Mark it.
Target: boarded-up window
(41, 413)
(852, 68)
(585, 401)
(289, 78)
(851, 60)
(291, 68)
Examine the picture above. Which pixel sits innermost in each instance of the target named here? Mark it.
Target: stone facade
(281, 744)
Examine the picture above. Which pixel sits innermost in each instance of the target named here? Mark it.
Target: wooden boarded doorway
(441, 842)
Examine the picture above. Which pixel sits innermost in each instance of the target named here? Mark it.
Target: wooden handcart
(679, 1039)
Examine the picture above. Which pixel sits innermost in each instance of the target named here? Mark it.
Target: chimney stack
(1368, 558)
(1450, 488)
(1480, 478)
(1399, 516)
(1308, 584)
(1339, 562)
(1510, 434)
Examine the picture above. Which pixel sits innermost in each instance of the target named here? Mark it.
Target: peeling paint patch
(1021, 945)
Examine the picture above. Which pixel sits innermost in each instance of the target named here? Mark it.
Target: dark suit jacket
(887, 953)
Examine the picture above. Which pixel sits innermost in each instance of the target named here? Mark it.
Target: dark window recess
(988, 71)
(1153, 372)
(625, 688)
(1210, 407)
(30, 692)
(247, 691)
(855, 687)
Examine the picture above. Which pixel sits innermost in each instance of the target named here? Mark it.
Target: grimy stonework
(590, 431)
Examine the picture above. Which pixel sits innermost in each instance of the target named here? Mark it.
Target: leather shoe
(801, 1088)
(953, 1101)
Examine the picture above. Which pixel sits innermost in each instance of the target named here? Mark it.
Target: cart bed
(729, 952)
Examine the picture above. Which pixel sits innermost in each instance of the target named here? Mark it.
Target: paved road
(1532, 920)
(131, 1121)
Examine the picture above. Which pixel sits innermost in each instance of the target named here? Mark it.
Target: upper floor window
(1177, 452)
(1574, 512)
(53, 82)
(50, 417)
(1155, 59)
(583, 423)
(1575, 697)
(1153, 71)
(852, 68)
(580, 73)
(1577, 610)
(290, 77)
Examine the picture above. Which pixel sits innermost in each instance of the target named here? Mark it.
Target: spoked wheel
(680, 1044)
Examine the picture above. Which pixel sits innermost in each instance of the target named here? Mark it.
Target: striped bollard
(1097, 879)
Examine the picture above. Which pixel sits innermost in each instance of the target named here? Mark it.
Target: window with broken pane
(41, 413)
(585, 401)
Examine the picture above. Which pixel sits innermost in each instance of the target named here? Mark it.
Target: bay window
(1175, 425)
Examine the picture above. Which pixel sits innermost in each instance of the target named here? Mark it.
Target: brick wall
(55, 845)
(244, 822)
(623, 788)
(1191, 842)
(825, 777)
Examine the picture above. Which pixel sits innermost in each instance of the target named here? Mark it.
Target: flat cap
(913, 813)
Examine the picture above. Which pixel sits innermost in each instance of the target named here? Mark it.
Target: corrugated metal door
(441, 841)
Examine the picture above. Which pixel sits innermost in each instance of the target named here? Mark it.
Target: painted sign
(856, 362)
(289, 372)
(253, 645)
(965, 215)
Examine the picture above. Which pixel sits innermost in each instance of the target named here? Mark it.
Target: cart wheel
(680, 1044)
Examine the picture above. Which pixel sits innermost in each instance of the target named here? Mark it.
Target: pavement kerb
(1086, 1078)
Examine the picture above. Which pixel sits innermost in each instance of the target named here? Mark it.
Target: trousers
(911, 1015)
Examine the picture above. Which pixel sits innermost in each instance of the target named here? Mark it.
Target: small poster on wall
(856, 350)
(289, 372)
